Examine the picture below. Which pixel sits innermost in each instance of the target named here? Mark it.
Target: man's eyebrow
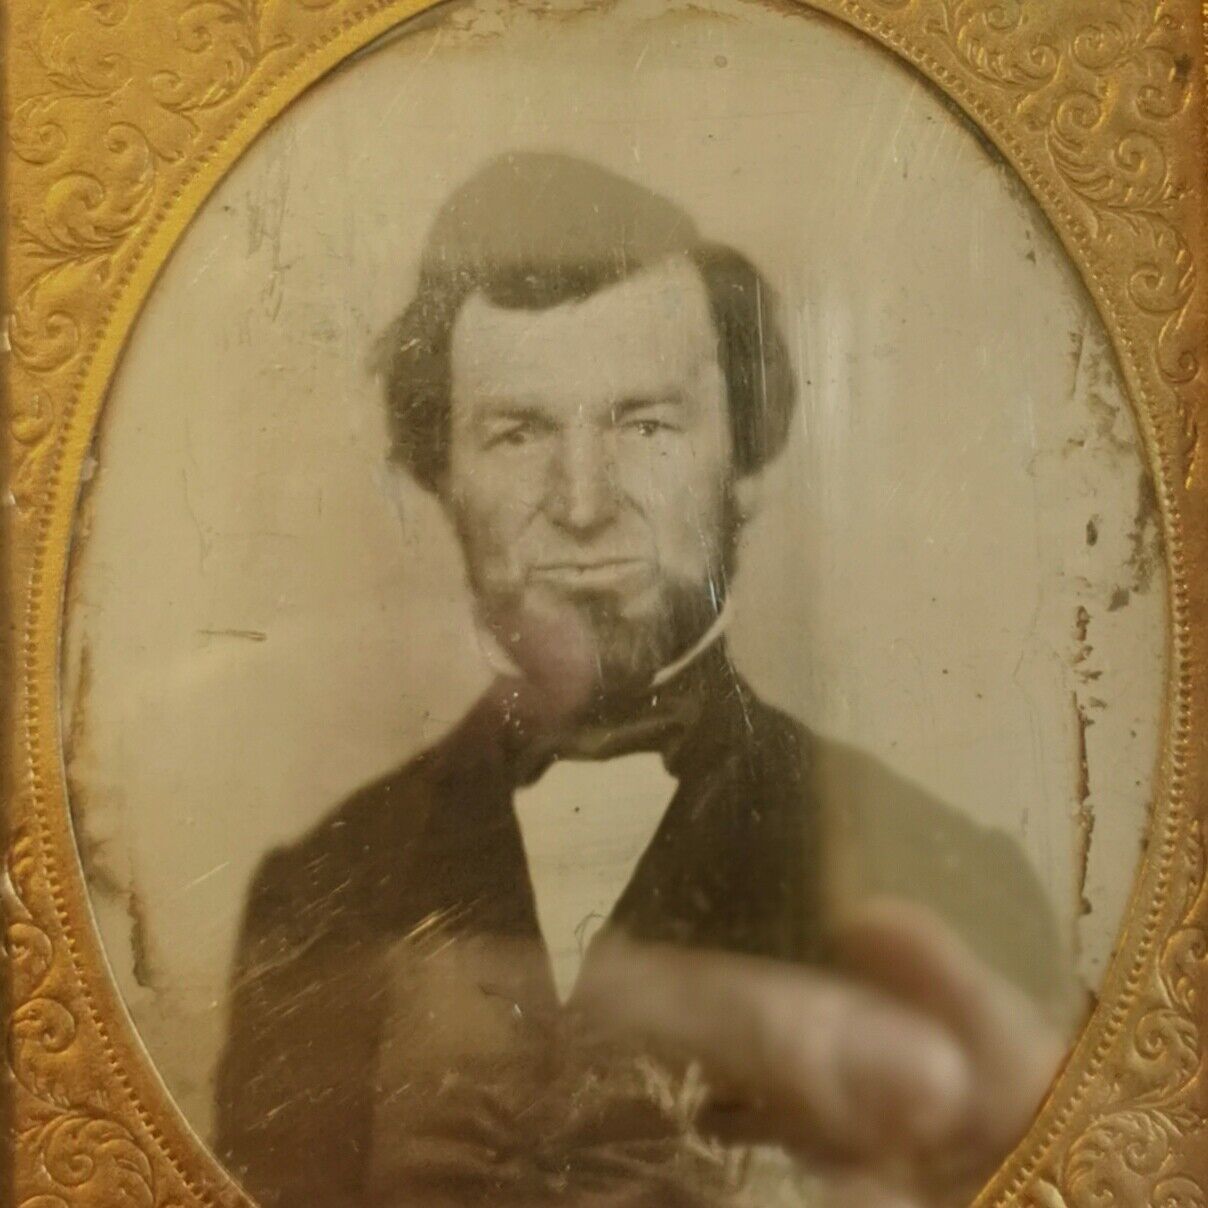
(508, 409)
(628, 405)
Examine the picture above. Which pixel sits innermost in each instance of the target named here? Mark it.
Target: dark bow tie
(659, 719)
(657, 724)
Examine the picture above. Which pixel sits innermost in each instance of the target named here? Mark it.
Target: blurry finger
(910, 952)
(906, 948)
(827, 1064)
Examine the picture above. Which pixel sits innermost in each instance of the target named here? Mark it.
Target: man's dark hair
(531, 231)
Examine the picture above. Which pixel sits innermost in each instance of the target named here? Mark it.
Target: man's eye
(516, 435)
(647, 427)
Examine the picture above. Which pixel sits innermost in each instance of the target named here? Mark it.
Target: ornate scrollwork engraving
(224, 38)
(1126, 1152)
(1097, 79)
(111, 104)
(1136, 1136)
(997, 43)
(107, 124)
(83, 1154)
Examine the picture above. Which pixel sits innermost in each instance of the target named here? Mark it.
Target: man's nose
(582, 496)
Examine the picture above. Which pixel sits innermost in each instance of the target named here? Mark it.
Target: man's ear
(439, 490)
(748, 495)
(399, 483)
(392, 480)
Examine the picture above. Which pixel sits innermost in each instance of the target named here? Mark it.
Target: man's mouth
(587, 574)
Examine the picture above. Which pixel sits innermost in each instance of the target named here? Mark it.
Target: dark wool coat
(395, 1037)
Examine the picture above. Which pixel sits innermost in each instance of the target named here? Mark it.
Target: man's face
(591, 467)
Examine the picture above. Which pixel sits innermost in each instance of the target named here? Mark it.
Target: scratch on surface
(203, 541)
(250, 635)
(490, 991)
(435, 932)
(741, 695)
(205, 876)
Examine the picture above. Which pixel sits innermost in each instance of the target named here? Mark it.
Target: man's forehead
(651, 330)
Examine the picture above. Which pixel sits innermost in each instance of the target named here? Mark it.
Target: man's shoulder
(770, 737)
(357, 843)
(891, 838)
(779, 726)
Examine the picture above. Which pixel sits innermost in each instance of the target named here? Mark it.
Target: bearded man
(593, 391)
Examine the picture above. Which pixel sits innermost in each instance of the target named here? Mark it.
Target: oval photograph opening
(616, 630)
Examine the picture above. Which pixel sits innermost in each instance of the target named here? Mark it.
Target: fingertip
(910, 1078)
(944, 1096)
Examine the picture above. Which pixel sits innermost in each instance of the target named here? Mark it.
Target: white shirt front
(585, 825)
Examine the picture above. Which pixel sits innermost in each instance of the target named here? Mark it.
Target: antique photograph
(616, 629)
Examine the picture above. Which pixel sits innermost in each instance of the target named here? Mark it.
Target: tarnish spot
(140, 960)
(486, 20)
(1105, 414)
(105, 883)
(1085, 817)
(1082, 623)
(1145, 539)
(103, 880)
(77, 723)
(1084, 810)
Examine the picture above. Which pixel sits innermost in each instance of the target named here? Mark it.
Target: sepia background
(956, 570)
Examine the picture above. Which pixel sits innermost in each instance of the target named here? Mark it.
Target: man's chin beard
(628, 652)
(620, 654)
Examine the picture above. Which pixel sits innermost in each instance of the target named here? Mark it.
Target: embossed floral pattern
(112, 105)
